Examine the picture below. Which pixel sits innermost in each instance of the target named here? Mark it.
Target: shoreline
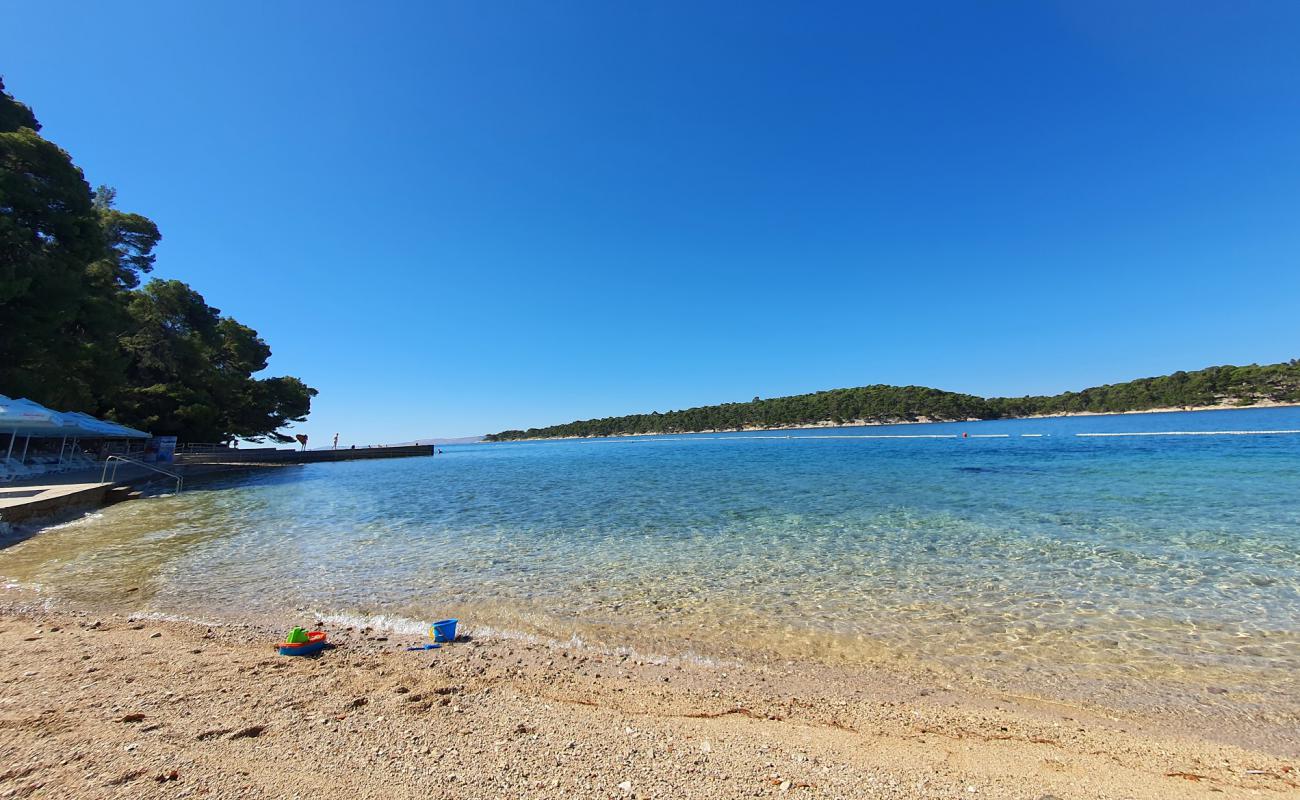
(923, 421)
(111, 705)
(1247, 708)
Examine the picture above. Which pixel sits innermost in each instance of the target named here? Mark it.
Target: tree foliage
(77, 329)
(883, 404)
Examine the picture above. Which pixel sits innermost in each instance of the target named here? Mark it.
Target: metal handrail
(103, 478)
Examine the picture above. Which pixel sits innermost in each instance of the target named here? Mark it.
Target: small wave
(18, 586)
(158, 616)
(79, 518)
(384, 622)
(392, 623)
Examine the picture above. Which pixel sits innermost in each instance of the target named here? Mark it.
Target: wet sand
(104, 705)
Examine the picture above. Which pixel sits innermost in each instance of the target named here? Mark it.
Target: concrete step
(120, 493)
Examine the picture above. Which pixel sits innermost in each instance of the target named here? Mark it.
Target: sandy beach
(102, 705)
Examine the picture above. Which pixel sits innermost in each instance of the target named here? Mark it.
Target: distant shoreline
(921, 421)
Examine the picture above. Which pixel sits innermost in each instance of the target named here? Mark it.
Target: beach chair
(17, 469)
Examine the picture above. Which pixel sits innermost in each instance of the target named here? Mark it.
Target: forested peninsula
(882, 404)
(79, 331)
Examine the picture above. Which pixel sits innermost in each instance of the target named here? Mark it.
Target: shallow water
(1037, 561)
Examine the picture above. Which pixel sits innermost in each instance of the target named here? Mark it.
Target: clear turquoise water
(1086, 561)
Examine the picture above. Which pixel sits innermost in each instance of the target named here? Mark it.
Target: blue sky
(454, 218)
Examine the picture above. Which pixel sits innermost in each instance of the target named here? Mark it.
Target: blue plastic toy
(443, 630)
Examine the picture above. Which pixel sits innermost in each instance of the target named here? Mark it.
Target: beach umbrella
(21, 416)
(93, 428)
(119, 431)
(87, 425)
(27, 415)
(69, 428)
(102, 428)
(31, 418)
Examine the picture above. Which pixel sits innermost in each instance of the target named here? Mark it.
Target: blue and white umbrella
(102, 428)
(23, 416)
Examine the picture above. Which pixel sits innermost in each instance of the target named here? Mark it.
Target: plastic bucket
(443, 631)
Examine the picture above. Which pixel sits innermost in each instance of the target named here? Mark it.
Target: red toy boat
(314, 644)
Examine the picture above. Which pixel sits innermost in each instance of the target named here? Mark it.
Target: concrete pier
(56, 495)
(271, 455)
(25, 503)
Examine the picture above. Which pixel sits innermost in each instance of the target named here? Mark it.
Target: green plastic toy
(296, 636)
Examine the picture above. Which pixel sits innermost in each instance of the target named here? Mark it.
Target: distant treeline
(884, 404)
